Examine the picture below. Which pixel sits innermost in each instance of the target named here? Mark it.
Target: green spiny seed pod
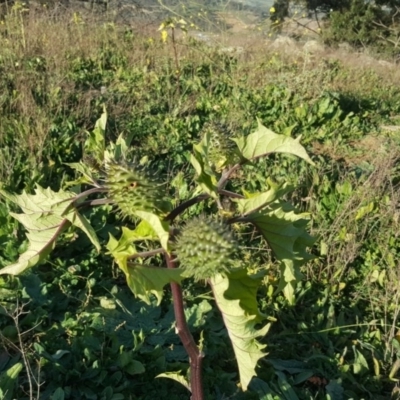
(132, 189)
(205, 247)
(222, 148)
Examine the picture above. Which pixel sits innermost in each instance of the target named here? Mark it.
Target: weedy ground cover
(71, 328)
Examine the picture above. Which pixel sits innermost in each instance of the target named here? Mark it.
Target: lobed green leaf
(46, 214)
(205, 175)
(286, 234)
(236, 298)
(263, 142)
(261, 200)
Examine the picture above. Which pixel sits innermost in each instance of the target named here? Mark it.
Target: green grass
(83, 326)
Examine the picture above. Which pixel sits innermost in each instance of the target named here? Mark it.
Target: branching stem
(183, 206)
(226, 175)
(231, 195)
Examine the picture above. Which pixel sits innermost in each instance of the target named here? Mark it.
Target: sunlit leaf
(263, 142)
(142, 280)
(45, 218)
(46, 214)
(82, 223)
(365, 210)
(8, 381)
(124, 247)
(360, 365)
(146, 280)
(87, 173)
(177, 377)
(95, 143)
(205, 175)
(249, 205)
(236, 298)
(161, 228)
(286, 234)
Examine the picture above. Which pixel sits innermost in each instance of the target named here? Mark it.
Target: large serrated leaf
(261, 200)
(44, 220)
(205, 175)
(236, 298)
(142, 280)
(123, 248)
(285, 231)
(145, 280)
(46, 214)
(263, 142)
(161, 228)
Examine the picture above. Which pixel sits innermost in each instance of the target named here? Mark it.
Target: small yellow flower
(164, 35)
(272, 10)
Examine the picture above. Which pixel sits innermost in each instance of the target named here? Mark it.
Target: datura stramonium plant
(206, 247)
(133, 189)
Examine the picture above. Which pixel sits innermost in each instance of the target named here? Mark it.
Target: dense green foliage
(83, 333)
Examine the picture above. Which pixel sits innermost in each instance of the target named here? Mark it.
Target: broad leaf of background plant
(46, 214)
(263, 142)
(95, 144)
(119, 150)
(236, 298)
(142, 280)
(8, 380)
(286, 234)
(261, 200)
(205, 175)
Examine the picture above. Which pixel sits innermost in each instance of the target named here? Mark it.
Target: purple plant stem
(195, 355)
